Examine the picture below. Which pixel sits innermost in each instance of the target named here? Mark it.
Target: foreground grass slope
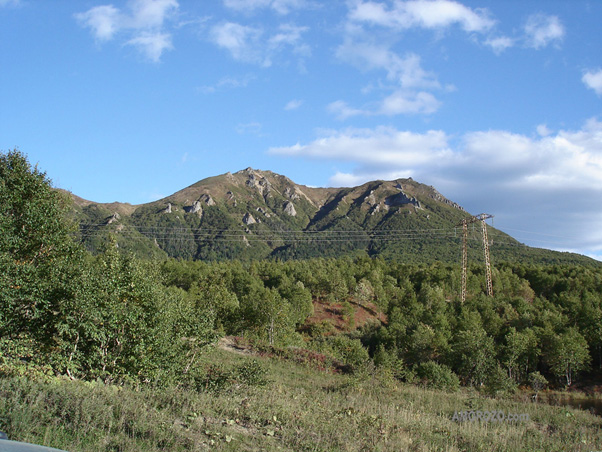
(281, 406)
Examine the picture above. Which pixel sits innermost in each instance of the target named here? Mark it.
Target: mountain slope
(256, 214)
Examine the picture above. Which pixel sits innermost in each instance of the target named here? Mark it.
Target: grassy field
(281, 405)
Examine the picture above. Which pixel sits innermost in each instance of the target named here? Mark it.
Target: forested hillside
(113, 318)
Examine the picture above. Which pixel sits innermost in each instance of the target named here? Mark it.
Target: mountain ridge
(256, 214)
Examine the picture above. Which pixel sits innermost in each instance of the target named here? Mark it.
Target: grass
(298, 409)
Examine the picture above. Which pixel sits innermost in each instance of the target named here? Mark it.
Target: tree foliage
(63, 311)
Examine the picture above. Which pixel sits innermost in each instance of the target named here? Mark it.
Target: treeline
(113, 317)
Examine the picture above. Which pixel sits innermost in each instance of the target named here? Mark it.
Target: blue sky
(495, 103)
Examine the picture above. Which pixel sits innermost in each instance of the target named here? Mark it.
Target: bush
(388, 361)
(350, 351)
(217, 378)
(251, 373)
(537, 381)
(498, 382)
(438, 376)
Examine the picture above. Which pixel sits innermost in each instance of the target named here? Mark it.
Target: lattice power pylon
(465, 222)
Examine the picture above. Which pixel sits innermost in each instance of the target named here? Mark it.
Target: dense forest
(116, 318)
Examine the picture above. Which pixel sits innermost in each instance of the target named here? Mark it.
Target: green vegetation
(111, 352)
(293, 408)
(541, 319)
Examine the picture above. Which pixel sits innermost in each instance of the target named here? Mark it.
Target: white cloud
(399, 102)
(543, 130)
(289, 35)
(240, 40)
(293, 104)
(104, 21)
(411, 87)
(250, 128)
(142, 22)
(593, 80)
(373, 147)
(152, 44)
(343, 111)
(226, 83)
(542, 30)
(554, 179)
(280, 6)
(151, 13)
(407, 94)
(431, 14)
(252, 45)
(499, 44)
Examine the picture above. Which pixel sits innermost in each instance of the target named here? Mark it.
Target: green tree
(568, 355)
(519, 353)
(474, 351)
(36, 253)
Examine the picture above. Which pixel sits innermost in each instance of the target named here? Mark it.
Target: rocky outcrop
(258, 181)
(231, 198)
(291, 194)
(401, 199)
(295, 193)
(289, 209)
(207, 199)
(370, 199)
(439, 197)
(194, 208)
(248, 219)
(167, 209)
(379, 208)
(263, 211)
(113, 218)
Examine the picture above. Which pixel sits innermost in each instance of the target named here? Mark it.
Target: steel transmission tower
(465, 222)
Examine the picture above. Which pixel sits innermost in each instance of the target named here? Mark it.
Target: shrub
(251, 373)
(217, 378)
(537, 381)
(350, 351)
(498, 382)
(438, 376)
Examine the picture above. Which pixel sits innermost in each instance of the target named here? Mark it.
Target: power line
(164, 233)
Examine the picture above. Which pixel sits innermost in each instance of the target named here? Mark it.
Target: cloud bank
(519, 178)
